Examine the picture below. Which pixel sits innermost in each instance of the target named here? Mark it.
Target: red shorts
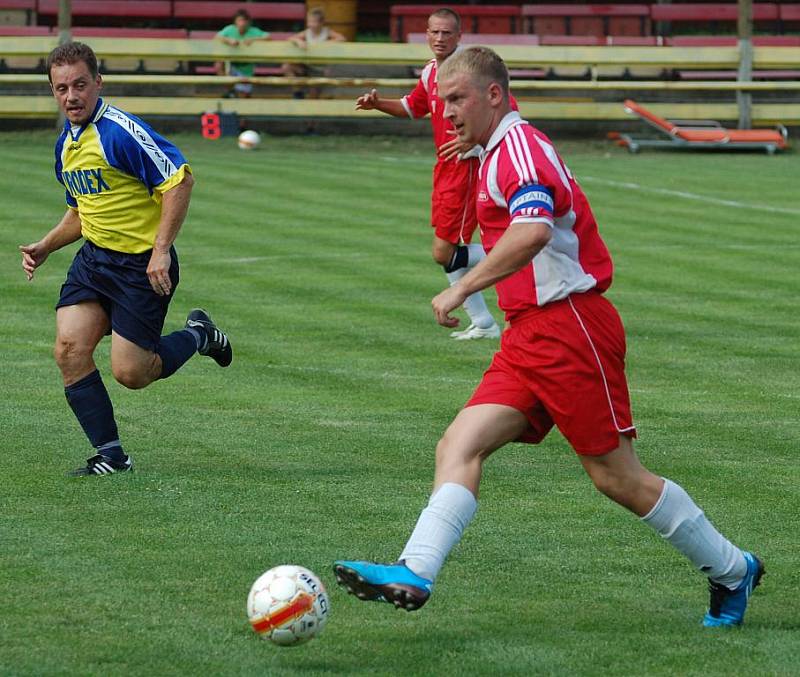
(564, 363)
(454, 200)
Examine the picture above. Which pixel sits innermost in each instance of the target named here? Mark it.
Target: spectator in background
(240, 32)
(315, 32)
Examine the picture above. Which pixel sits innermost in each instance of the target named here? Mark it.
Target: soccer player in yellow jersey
(127, 193)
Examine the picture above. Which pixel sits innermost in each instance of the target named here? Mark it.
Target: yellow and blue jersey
(115, 169)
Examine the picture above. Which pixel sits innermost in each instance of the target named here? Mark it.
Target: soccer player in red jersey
(455, 174)
(561, 361)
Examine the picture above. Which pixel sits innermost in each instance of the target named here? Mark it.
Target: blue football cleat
(392, 583)
(727, 606)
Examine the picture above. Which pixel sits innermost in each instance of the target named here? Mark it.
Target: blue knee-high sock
(92, 406)
(175, 350)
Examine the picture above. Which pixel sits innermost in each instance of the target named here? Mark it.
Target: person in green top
(240, 32)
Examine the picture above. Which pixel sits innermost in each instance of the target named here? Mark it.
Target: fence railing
(593, 59)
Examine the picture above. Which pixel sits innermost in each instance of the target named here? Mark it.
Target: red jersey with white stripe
(454, 181)
(523, 180)
(424, 99)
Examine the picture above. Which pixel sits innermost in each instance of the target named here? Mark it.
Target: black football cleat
(102, 465)
(217, 346)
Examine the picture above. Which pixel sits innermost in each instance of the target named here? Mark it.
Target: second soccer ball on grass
(249, 140)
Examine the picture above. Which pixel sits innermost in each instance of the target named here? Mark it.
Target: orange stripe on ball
(300, 605)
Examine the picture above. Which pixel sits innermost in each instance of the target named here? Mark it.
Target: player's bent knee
(441, 257)
(606, 485)
(70, 353)
(132, 377)
(443, 252)
(621, 489)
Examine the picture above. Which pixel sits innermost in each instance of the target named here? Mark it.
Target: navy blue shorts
(119, 282)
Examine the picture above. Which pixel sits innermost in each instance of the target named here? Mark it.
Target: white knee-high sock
(475, 254)
(678, 519)
(475, 305)
(439, 527)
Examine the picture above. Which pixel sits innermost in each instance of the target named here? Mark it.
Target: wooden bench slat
(585, 10)
(704, 12)
(45, 107)
(224, 11)
(146, 9)
(516, 56)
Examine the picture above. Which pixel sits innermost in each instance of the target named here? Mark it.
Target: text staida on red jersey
(523, 179)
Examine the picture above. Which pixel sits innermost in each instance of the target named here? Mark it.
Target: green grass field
(318, 442)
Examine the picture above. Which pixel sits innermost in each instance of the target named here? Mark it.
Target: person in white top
(315, 32)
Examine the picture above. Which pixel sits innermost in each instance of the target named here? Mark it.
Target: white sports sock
(474, 304)
(678, 519)
(479, 314)
(475, 254)
(439, 527)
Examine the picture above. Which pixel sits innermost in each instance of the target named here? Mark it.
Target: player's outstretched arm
(174, 205)
(515, 249)
(372, 101)
(65, 232)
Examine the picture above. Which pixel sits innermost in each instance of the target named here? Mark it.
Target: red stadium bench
(789, 12)
(705, 13)
(490, 40)
(572, 40)
(22, 5)
(202, 35)
(587, 19)
(13, 11)
(159, 33)
(635, 41)
(700, 134)
(224, 11)
(789, 16)
(483, 39)
(210, 35)
(140, 9)
(607, 40)
(24, 31)
(732, 40)
(407, 19)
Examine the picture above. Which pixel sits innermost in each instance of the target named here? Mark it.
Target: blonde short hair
(482, 63)
(318, 13)
(447, 13)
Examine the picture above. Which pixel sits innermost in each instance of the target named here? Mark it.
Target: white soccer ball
(288, 605)
(249, 140)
